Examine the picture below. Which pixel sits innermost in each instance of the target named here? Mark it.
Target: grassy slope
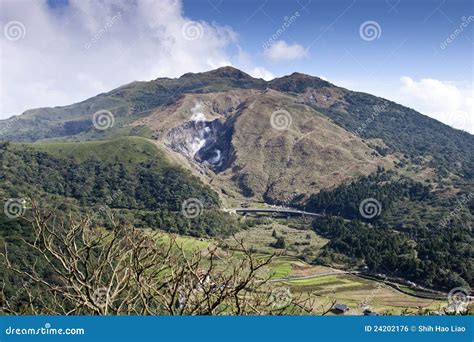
(49, 163)
(129, 150)
(403, 130)
(300, 243)
(313, 153)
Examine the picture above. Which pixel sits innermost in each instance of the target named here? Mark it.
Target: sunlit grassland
(128, 150)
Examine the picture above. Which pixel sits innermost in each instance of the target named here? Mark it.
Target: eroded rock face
(216, 152)
(204, 142)
(190, 137)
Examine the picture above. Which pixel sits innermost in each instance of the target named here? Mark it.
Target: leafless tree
(128, 271)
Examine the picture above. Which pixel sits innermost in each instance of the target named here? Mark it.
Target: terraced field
(187, 243)
(359, 294)
(327, 284)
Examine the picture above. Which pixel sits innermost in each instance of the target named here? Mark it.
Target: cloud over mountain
(74, 51)
(444, 101)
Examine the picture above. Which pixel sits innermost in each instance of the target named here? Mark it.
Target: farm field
(360, 294)
(302, 243)
(326, 284)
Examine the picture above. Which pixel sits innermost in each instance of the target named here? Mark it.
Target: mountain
(223, 139)
(219, 125)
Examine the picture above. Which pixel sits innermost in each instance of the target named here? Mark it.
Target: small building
(368, 312)
(341, 309)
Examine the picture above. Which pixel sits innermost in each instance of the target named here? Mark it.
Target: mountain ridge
(287, 83)
(394, 135)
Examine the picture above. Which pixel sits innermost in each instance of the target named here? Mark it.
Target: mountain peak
(298, 82)
(226, 72)
(300, 75)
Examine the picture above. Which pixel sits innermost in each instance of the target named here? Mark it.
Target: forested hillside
(149, 193)
(147, 186)
(410, 231)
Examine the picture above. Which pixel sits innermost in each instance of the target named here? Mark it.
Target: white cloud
(87, 47)
(447, 102)
(244, 61)
(260, 72)
(282, 51)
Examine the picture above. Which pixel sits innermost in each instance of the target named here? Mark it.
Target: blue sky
(69, 50)
(409, 43)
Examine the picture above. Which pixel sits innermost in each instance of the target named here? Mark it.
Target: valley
(327, 283)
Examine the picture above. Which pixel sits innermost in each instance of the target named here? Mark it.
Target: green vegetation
(151, 184)
(417, 248)
(187, 243)
(359, 293)
(421, 230)
(404, 130)
(300, 242)
(279, 243)
(383, 186)
(12, 234)
(127, 150)
(136, 182)
(280, 269)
